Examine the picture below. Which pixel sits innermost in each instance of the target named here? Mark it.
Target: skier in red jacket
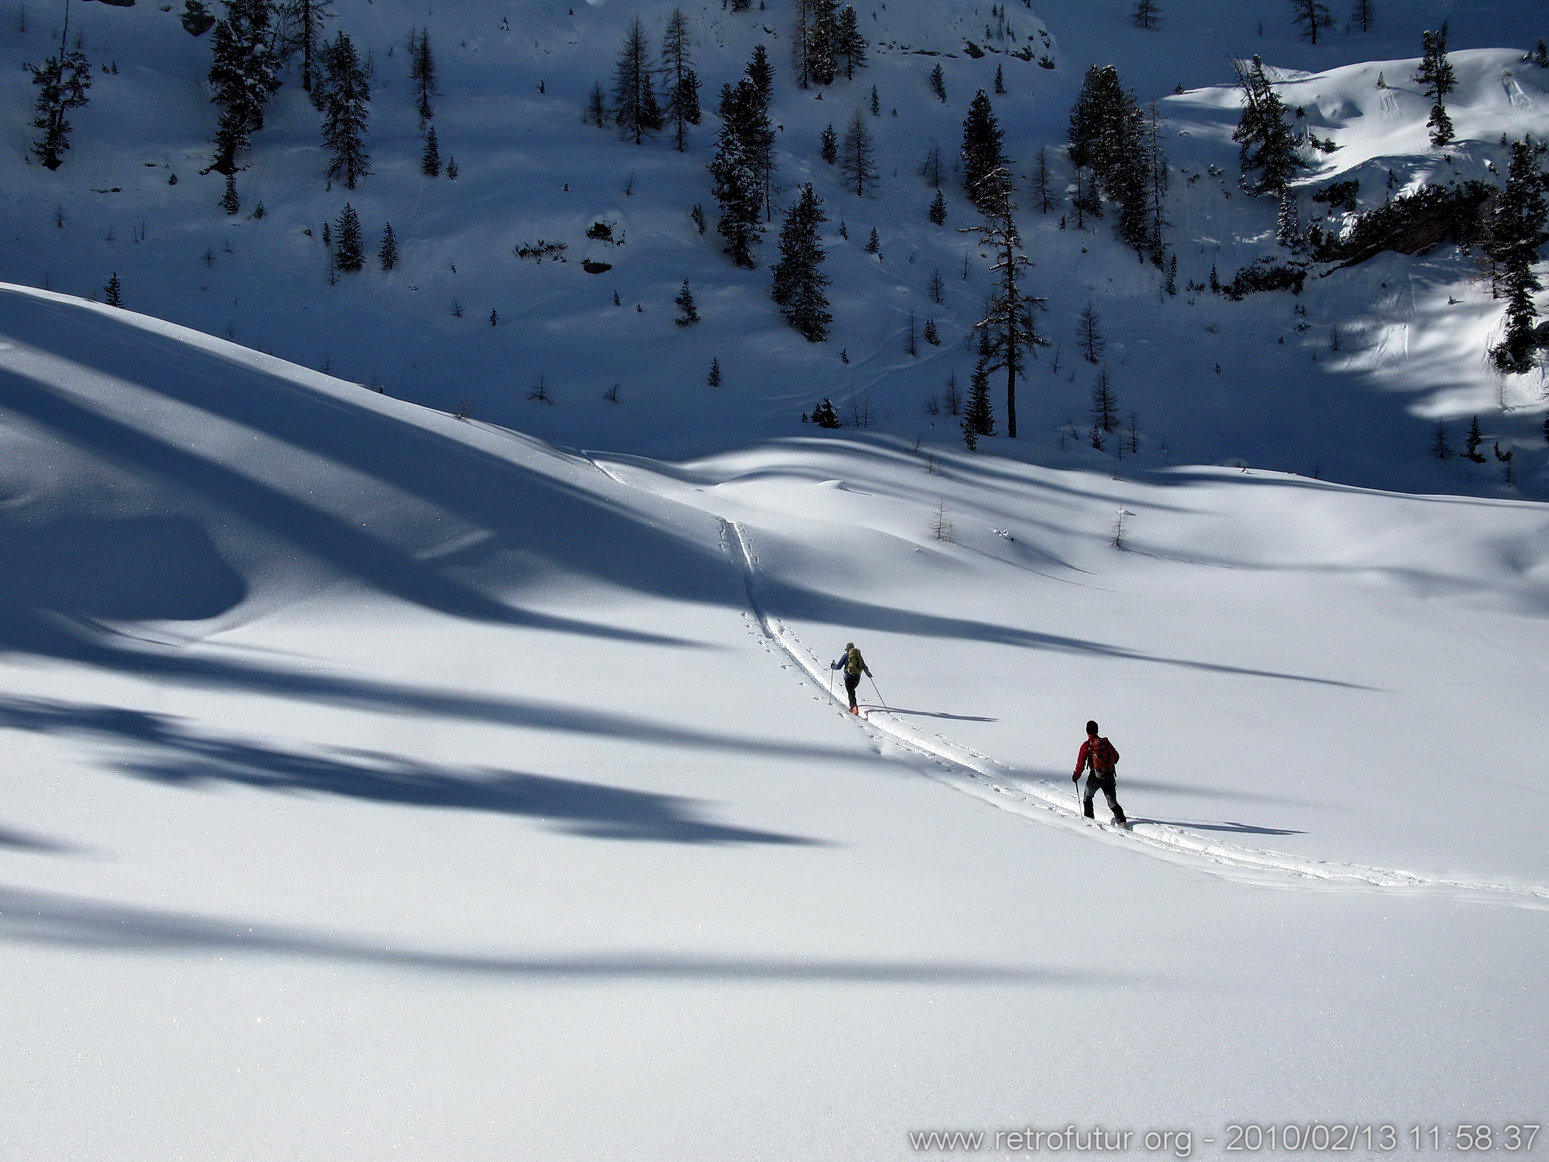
(1098, 755)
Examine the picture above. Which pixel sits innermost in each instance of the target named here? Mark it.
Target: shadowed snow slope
(377, 782)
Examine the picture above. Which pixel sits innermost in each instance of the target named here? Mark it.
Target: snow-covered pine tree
(1515, 232)
(984, 157)
(230, 201)
(348, 253)
(938, 208)
(1107, 136)
(388, 254)
(113, 292)
(636, 110)
(1269, 155)
(814, 41)
(344, 97)
(798, 278)
(244, 74)
(1437, 79)
(858, 156)
(738, 184)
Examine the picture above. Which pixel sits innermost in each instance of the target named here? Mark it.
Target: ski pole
(878, 693)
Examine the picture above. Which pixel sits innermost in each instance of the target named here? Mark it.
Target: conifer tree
(688, 313)
(682, 83)
(344, 97)
(348, 251)
(815, 41)
(1108, 139)
(1147, 14)
(301, 30)
(828, 144)
(62, 82)
(1313, 16)
(113, 292)
(798, 278)
(230, 202)
(1008, 331)
(1363, 14)
(1437, 79)
(984, 158)
(979, 414)
(1043, 182)
(938, 209)
(388, 254)
(858, 156)
(422, 72)
(938, 83)
(1515, 232)
(849, 44)
(933, 169)
(244, 73)
(736, 169)
(1089, 334)
(1105, 405)
(1268, 155)
(596, 106)
(761, 73)
(430, 159)
(636, 110)
(714, 378)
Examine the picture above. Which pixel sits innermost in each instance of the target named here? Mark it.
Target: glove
(1076, 778)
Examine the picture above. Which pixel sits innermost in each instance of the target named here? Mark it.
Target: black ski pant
(851, 682)
(1102, 781)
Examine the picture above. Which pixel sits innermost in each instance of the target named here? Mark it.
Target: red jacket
(1088, 751)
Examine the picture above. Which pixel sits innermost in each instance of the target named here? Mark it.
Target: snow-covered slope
(441, 772)
(382, 782)
(1346, 382)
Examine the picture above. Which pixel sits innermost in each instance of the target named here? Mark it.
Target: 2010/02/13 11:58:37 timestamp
(1335, 1138)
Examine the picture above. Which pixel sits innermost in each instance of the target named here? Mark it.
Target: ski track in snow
(1046, 802)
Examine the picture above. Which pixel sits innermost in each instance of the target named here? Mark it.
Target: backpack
(1104, 755)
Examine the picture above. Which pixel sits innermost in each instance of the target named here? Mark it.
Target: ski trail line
(1047, 802)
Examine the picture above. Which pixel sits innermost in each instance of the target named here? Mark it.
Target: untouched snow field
(379, 783)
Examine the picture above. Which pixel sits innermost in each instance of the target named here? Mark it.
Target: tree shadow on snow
(51, 918)
(167, 752)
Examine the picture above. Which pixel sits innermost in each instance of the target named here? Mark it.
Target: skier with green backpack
(1099, 756)
(853, 666)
